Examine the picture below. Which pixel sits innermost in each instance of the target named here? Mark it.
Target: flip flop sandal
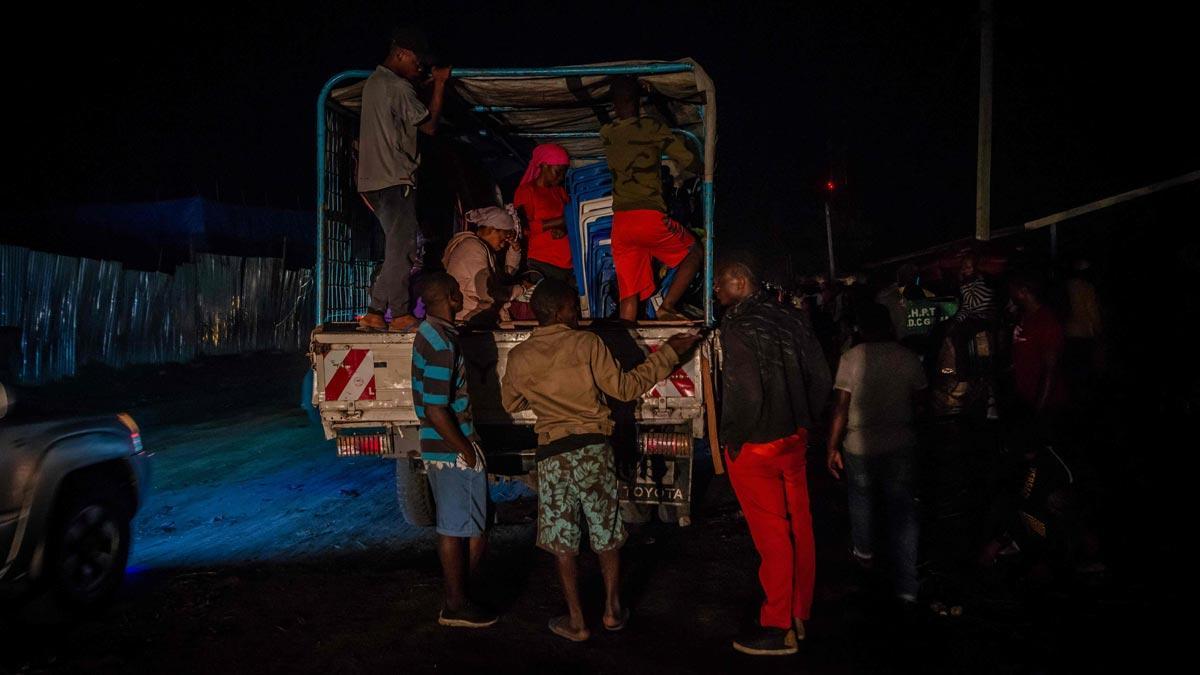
(622, 620)
(561, 626)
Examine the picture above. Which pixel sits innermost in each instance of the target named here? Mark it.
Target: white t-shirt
(881, 378)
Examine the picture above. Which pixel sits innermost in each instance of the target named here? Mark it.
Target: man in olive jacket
(563, 374)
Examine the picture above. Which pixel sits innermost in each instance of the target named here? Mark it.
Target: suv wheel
(90, 549)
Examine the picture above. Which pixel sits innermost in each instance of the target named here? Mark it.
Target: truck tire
(413, 493)
(88, 547)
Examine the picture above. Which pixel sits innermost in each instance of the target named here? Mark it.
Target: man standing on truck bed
(562, 374)
(641, 228)
(450, 448)
(388, 159)
(775, 385)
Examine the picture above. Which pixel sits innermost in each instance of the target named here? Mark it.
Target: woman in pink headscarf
(541, 199)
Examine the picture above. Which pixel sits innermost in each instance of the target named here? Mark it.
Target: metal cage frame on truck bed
(566, 104)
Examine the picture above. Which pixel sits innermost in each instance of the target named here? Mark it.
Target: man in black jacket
(775, 385)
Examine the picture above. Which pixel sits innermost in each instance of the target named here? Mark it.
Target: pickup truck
(361, 385)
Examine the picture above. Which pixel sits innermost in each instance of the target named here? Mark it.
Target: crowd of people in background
(999, 380)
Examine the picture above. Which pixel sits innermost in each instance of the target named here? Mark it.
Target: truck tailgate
(364, 378)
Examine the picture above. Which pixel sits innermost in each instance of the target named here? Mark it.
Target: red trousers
(772, 486)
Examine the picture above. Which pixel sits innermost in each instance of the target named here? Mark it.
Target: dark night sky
(124, 105)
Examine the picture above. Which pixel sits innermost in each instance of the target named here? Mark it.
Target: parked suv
(69, 488)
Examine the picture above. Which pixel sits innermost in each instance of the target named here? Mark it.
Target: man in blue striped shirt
(450, 448)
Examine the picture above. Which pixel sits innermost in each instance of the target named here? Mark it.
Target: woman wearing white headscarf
(470, 258)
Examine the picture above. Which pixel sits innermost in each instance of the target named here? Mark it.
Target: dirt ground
(259, 551)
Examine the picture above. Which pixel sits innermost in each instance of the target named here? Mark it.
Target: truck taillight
(661, 443)
(353, 445)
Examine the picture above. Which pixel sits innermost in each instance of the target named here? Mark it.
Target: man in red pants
(776, 383)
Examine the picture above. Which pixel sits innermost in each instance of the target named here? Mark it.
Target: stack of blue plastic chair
(590, 236)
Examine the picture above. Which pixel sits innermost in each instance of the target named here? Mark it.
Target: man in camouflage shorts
(562, 374)
(584, 479)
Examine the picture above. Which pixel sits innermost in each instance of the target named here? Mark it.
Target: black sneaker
(469, 615)
(767, 642)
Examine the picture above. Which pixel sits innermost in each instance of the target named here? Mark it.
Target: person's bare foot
(616, 622)
(561, 626)
(665, 313)
(404, 323)
(372, 321)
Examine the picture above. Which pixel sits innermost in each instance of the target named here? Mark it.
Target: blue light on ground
(268, 488)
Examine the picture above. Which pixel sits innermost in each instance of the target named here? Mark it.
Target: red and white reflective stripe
(683, 383)
(677, 384)
(349, 375)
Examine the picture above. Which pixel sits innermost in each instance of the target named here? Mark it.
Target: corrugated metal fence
(75, 311)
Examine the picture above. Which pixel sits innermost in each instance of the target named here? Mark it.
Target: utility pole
(829, 229)
(983, 173)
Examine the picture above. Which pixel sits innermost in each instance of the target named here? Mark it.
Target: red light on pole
(829, 187)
